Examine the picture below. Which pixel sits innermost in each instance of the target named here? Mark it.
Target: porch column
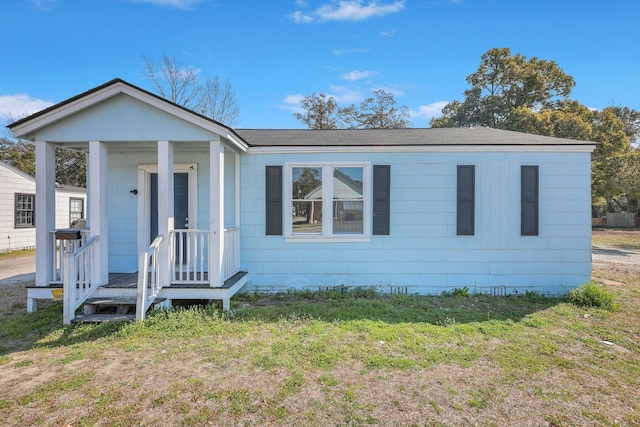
(216, 215)
(98, 212)
(45, 212)
(165, 210)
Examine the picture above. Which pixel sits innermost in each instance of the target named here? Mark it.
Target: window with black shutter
(273, 204)
(381, 199)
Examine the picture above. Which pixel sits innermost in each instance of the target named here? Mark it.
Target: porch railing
(231, 256)
(148, 278)
(59, 248)
(79, 280)
(190, 251)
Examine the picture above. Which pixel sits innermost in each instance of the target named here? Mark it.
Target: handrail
(148, 258)
(78, 281)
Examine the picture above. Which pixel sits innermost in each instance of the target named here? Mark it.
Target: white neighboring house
(184, 207)
(18, 206)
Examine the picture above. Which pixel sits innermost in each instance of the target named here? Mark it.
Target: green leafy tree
(70, 165)
(503, 83)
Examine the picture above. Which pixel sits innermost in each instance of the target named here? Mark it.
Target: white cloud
(348, 10)
(21, 105)
(340, 52)
(390, 33)
(44, 5)
(429, 111)
(357, 75)
(180, 4)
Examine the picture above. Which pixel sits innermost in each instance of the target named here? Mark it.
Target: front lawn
(333, 358)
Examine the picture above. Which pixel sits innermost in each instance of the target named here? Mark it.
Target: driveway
(17, 270)
(626, 257)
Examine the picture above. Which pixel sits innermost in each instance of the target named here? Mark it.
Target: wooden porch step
(103, 317)
(116, 301)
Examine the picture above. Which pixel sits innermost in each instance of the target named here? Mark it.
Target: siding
(423, 251)
(13, 182)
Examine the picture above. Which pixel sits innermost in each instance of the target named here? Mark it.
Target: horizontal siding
(423, 251)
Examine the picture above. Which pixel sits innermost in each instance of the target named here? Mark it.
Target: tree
(320, 111)
(71, 165)
(379, 111)
(179, 84)
(504, 83)
(376, 112)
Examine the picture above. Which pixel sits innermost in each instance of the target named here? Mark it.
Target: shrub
(590, 295)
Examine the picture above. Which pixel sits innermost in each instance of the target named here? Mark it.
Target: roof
(61, 187)
(48, 114)
(396, 137)
(17, 171)
(475, 136)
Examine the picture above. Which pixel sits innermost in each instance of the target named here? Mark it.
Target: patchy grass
(17, 254)
(616, 238)
(332, 358)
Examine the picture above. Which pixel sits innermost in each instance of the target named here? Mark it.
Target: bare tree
(181, 84)
(319, 111)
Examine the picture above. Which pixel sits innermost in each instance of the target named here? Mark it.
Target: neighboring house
(199, 210)
(18, 206)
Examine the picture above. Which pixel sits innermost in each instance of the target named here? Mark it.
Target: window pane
(348, 199)
(307, 200)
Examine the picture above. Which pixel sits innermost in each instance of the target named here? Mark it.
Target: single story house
(18, 206)
(191, 208)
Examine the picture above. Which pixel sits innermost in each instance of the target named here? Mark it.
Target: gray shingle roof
(395, 137)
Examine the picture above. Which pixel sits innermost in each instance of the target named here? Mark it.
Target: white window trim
(327, 205)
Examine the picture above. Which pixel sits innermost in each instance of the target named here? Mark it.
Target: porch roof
(26, 127)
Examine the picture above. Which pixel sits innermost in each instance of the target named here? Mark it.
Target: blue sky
(274, 52)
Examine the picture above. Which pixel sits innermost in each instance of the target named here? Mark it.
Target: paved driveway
(17, 270)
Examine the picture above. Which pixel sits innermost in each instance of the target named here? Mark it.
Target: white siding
(423, 251)
(13, 182)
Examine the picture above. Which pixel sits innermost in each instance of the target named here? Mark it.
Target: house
(17, 208)
(182, 207)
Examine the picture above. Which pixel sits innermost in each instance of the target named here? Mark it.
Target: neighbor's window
(327, 200)
(76, 209)
(25, 210)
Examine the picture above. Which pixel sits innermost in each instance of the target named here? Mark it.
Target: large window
(327, 200)
(25, 216)
(76, 209)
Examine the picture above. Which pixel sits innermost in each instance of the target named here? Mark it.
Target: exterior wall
(63, 197)
(13, 182)
(423, 252)
(123, 206)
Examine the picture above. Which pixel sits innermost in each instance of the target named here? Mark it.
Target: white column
(236, 197)
(165, 209)
(45, 211)
(98, 212)
(216, 212)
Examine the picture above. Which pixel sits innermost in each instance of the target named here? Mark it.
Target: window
(529, 200)
(76, 209)
(327, 200)
(25, 210)
(466, 200)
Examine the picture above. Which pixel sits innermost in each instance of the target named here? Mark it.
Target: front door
(180, 203)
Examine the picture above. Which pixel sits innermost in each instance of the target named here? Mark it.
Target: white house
(182, 207)
(18, 207)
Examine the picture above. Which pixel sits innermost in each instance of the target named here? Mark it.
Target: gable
(121, 118)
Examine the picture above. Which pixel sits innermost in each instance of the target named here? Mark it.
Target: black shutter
(466, 200)
(381, 199)
(273, 201)
(529, 200)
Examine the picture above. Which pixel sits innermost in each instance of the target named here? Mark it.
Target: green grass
(622, 239)
(17, 254)
(332, 358)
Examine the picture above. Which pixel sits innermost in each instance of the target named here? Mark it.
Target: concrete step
(103, 317)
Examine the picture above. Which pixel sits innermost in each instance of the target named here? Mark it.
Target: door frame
(144, 198)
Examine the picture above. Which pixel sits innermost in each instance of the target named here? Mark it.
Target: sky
(274, 52)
